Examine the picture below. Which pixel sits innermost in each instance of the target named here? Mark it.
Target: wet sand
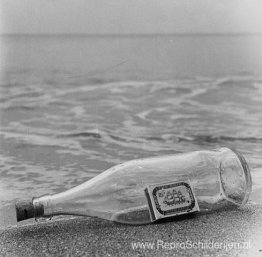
(95, 237)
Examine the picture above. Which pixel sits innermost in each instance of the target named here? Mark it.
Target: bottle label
(170, 199)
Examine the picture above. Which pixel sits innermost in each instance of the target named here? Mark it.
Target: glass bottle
(144, 190)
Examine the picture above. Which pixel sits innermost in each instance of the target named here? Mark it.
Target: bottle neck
(43, 206)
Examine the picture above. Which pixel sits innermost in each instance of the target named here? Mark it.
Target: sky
(130, 16)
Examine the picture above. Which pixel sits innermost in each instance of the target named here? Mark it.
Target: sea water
(73, 106)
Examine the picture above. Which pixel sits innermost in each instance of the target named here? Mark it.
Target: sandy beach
(226, 233)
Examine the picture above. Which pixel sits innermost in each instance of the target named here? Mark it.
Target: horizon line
(134, 34)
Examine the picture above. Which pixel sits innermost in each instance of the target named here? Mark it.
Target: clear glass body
(220, 179)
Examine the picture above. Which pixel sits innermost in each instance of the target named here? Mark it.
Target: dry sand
(95, 237)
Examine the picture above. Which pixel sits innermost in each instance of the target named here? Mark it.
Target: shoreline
(82, 236)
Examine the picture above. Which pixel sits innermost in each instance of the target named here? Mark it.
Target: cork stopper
(24, 210)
